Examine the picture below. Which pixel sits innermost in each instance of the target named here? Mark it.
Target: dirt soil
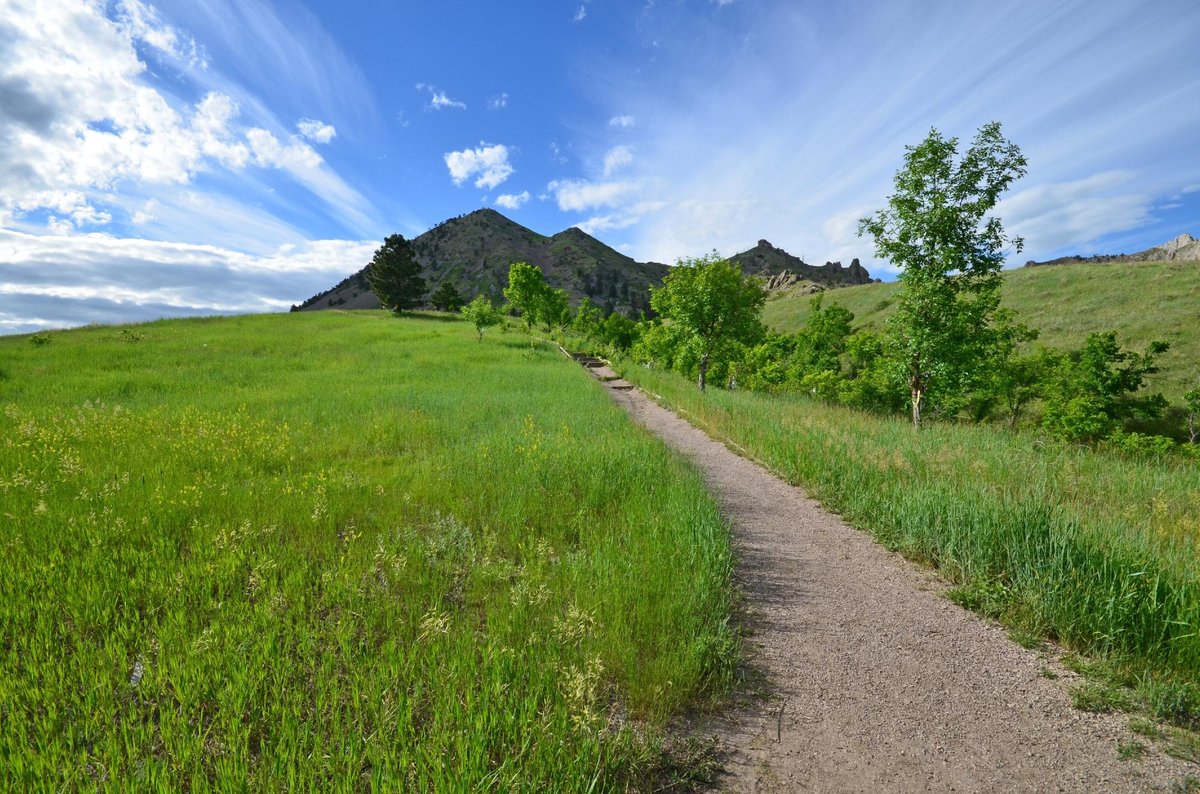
(875, 681)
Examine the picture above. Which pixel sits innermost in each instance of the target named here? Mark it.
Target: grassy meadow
(338, 551)
(1091, 549)
(1141, 301)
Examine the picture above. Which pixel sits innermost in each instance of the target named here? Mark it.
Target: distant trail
(884, 684)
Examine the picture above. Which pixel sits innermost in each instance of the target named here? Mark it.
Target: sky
(190, 157)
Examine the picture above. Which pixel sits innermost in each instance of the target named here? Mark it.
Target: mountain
(1183, 248)
(473, 253)
(766, 260)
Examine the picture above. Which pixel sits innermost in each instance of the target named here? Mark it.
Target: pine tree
(395, 275)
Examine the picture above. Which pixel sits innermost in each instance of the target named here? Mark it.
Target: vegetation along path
(878, 683)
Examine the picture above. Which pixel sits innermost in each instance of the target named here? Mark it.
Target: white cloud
(268, 151)
(145, 214)
(440, 100)
(68, 280)
(487, 162)
(617, 158)
(1051, 216)
(82, 118)
(623, 122)
(581, 195)
(498, 102)
(622, 219)
(580, 14)
(316, 131)
(513, 201)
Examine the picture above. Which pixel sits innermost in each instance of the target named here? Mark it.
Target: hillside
(1183, 248)
(473, 253)
(1141, 301)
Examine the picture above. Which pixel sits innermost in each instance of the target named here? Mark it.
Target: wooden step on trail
(601, 370)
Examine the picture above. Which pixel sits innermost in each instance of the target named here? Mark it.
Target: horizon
(196, 158)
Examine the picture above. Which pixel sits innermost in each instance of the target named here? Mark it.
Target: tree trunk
(917, 388)
(703, 370)
(1193, 432)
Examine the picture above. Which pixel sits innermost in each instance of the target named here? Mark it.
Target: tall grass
(340, 552)
(1096, 550)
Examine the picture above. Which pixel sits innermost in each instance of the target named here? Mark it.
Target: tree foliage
(936, 228)
(712, 306)
(1095, 388)
(482, 314)
(395, 275)
(526, 290)
(446, 298)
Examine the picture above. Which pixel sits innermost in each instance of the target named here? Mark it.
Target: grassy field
(341, 552)
(1140, 301)
(1092, 549)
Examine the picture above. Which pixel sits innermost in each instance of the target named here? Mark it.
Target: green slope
(1140, 301)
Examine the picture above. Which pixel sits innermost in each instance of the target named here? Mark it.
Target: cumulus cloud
(622, 122)
(617, 158)
(316, 131)
(62, 281)
(580, 195)
(513, 201)
(488, 163)
(440, 100)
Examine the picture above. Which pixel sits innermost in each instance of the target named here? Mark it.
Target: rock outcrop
(1183, 248)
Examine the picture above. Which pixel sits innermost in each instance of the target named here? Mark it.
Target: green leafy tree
(526, 291)
(1095, 388)
(446, 298)
(554, 308)
(619, 331)
(713, 306)
(937, 229)
(395, 275)
(822, 341)
(482, 314)
(589, 320)
(1191, 405)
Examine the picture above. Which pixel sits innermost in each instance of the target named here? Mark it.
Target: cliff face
(767, 260)
(1183, 248)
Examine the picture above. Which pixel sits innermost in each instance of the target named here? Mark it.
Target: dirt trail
(884, 684)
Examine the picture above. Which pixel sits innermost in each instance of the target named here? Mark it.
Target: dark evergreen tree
(395, 275)
(446, 298)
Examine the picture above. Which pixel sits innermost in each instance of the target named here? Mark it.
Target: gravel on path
(876, 681)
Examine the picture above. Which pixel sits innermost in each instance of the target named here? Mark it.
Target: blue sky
(209, 156)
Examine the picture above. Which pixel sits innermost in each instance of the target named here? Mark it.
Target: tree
(936, 229)
(526, 290)
(446, 298)
(589, 320)
(395, 275)
(554, 308)
(712, 305)
(1095, 388)
(1191, 404)
(482, 314)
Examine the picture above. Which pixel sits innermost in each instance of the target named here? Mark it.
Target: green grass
(341, 552)
(1141, 301)
(1088, 548)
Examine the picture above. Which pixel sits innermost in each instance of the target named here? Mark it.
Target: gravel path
(878, 682)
